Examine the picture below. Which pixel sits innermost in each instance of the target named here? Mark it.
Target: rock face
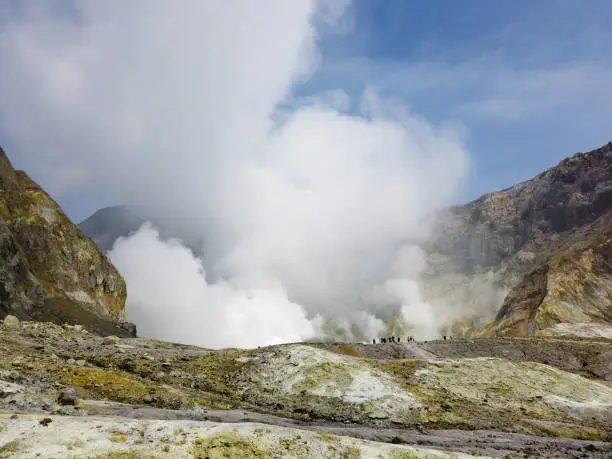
(544, 242)
(572, 287)
(49, 270)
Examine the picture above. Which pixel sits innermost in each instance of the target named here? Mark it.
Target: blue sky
(529, 81)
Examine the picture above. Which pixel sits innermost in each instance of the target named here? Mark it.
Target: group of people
(396, 339)
(392, 339)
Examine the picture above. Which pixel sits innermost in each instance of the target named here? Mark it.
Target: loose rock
(67, 397)
(12, 323)
(112, 339)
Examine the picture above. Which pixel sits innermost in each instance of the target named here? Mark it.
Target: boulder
(11, 323)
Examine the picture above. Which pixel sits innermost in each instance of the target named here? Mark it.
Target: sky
(305, 148)
(529, 81)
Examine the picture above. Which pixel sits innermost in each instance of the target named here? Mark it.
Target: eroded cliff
(49, 270)
(544, 247)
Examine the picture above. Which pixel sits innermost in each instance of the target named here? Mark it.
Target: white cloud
(489, 88)
(174, 107)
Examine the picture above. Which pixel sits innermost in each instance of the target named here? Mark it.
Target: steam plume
(301, 212)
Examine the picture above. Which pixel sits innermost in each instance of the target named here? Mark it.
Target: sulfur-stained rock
(50, 270)
(315, 380)
(530, 256)
(11, 323)
(112, 339)
(115, 437)
(571, 293)
(371, 391)
(515, 394)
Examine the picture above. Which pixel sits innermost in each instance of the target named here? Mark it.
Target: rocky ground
(591, 358)
(64, 391)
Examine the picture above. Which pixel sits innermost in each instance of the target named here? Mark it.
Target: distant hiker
(444, 337)
(383, 340)
(374, 341)
(398, 339)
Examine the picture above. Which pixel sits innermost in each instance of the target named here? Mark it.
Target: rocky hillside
(49, 270)
(543, 244)
(570, 293)
(67, 393)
